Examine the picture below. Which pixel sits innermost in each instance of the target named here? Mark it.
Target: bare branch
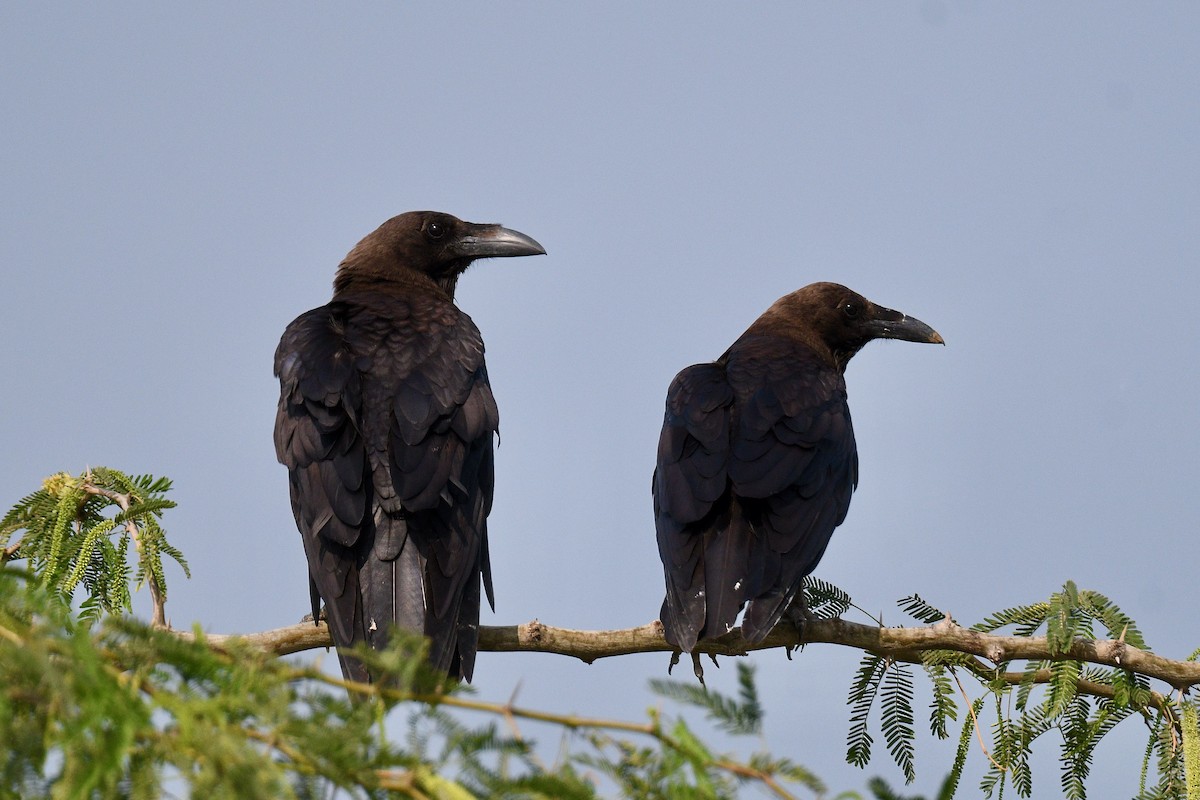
(901, 644)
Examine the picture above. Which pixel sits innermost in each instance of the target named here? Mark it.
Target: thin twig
(394, 780)
(389, 779)
(158, 617)
(515, 729)
(766, 778)
(11, 636)
(568, 721)
(975, 720)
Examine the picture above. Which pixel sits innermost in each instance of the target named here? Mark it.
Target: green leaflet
(896, 719)
(1191, 749)
(862, 697)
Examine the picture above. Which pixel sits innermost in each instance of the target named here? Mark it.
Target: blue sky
(179, 182)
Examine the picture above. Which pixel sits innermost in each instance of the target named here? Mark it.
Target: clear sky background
(179, 182)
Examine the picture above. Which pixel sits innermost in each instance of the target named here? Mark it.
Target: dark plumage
(757, 461)
(386, 423)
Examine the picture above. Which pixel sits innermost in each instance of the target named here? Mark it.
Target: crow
(757, 462)
(386, 423)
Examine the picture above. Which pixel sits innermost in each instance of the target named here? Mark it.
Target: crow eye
(850, 310)
(435, 230)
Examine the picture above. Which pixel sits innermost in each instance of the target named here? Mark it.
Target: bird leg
(799, 615)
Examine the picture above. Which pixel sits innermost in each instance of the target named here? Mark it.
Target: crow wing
(691, 496)
(386, 423)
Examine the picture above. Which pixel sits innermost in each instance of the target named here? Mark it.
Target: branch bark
(901, 644)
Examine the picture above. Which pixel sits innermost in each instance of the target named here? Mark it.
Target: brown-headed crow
(386, 423)
(757, 462)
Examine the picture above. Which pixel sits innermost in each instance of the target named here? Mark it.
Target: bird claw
(799, 615)
(698, 668)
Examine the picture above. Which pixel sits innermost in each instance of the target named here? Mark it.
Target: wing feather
(689, 484)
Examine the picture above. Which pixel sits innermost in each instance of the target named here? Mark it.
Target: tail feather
(727, 574)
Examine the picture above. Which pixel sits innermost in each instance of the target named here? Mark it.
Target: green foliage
(1163, 748)
(1081, 702)
(964, 745)
(686, 767)
(740, 717)
(824, 600)
(920, 610)
(880, 789)
(862, 698)
(896, 718)
(1191, 749)
(1069, 614)
(943, 708)
(119, 709)
(75, 532)
(94, 703)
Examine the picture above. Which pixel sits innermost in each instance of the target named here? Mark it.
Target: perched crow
(756, 461)
(386, 424)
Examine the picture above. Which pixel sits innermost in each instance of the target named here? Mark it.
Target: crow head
(837, 322)
(432, 244)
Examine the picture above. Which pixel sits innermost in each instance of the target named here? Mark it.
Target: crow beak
(889, 324)
(494, 241)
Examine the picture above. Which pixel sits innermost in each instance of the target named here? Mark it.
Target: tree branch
(900, 644)
(158, 617)
(652, 729)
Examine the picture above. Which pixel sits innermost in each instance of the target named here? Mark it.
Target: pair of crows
(386, 425)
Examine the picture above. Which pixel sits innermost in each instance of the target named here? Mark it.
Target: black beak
(494, 241)
(889, 324)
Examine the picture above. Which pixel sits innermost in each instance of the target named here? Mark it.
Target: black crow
(757, 462)
(386, 423)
